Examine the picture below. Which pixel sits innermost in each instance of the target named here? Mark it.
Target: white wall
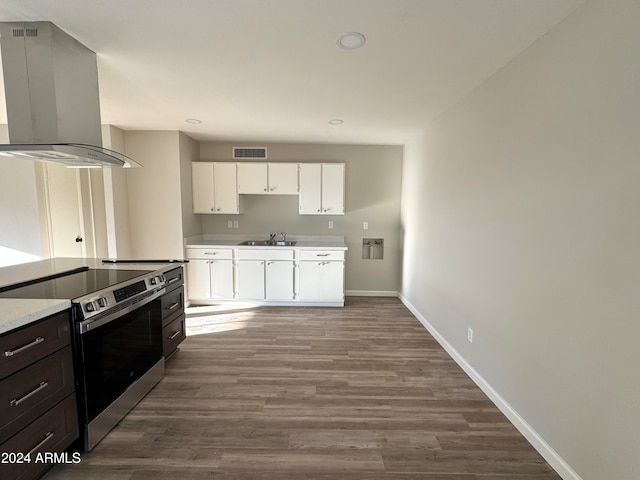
(520, 211)
(116, 192)
(372, 194)
(19, 219)
(155, 206)
(189, 152)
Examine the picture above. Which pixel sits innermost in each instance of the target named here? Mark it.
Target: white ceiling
(270, 70)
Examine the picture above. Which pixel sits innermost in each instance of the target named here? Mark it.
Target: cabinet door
(283, 178)
(221, 274)
(279, 280)
(198, 283)
(252, 178)
(202, 185)
(310, 188)
(310, 277)
(251, 279)
(333, 281)
(321, 281)
(226, 188)
(333, 189)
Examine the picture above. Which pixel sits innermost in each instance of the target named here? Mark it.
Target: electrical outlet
(235, 224)
(330, 224)
(229, 224)
(365, 225)
(469, 335)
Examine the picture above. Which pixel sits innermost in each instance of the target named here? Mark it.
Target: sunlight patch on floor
(207, 322)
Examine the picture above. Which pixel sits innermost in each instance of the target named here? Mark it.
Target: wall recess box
(373, 248)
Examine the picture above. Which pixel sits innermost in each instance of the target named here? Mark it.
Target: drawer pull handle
(171, 280)
(175, 334)
(16, 402)
(210, 253)
(322, 254)
(37, 341)
(172, 306)
(47, 437)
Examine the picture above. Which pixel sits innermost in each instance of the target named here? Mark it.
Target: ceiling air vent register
(249, 152)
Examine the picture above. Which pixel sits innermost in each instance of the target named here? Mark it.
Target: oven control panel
(112, 299)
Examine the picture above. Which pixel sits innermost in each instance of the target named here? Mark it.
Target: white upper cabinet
(283, 178)
(225, 183)
(252, 178)
(322, 189)
(202, 183)
(268, 178)
(217, 185)
(214, 187)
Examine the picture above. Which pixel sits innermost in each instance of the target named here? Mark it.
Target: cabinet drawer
(23, 347)
(172, 335)
(172, 304)
(174, 278)
(265, 254)
(210, 253)
(52, 432)
(30, 392)
(321, 255)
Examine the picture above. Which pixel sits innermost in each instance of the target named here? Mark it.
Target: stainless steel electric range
(118, 356)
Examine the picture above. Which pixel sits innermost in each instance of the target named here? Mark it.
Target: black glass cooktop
(74, 285)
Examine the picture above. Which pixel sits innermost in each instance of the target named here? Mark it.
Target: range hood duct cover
(52, 98)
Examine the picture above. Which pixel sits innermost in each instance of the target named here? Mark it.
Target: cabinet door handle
(172, 306)
(10, 353)
(15, 402)
(175, 334)
(47, 437)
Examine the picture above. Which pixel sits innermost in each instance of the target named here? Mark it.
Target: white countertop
(18, 312)
(303, 242)
(15, 312)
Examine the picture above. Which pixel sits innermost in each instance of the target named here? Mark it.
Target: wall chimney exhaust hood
(51, 90)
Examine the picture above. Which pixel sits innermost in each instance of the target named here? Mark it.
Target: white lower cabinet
(283, 276)
(251, 279)
(279, 280)
(221, 275)
(209, 274)
(321, 280)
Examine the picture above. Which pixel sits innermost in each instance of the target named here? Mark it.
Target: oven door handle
(98, 321)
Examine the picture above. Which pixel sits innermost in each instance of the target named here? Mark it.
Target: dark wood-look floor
(362, 392)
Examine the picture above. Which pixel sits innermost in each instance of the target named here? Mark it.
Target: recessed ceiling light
(351, 40)
(336, 121)
(195, 121)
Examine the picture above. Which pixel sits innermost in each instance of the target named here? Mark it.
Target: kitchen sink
(268, 243)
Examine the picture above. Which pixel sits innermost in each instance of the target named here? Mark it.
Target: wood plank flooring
(360, 392)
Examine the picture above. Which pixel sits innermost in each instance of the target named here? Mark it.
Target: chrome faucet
(272, 236)
(284, 236)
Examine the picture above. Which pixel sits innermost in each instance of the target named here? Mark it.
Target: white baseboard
(370, 293)
(549, 454)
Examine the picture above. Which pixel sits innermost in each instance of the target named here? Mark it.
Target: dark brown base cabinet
(38, 412)
(173, 317)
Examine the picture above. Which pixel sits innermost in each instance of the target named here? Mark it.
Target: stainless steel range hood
(51, 90)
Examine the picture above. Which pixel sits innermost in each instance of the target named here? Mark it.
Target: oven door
(115, 355)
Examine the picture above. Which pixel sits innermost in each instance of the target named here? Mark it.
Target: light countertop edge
(18, 312)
